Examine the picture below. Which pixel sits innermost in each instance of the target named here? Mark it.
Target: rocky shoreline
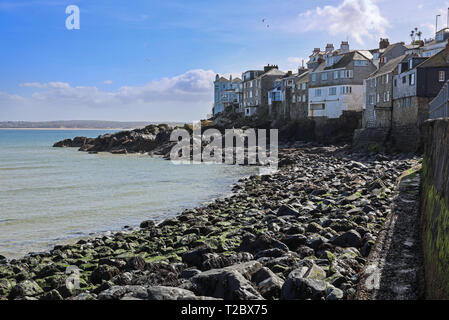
(304, 232)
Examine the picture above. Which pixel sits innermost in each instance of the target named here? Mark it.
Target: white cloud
(45, 85)
(107, 82)
(186, 96)
(357, 18)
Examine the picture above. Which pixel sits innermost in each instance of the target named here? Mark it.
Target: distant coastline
(80, 124)
(99, 128)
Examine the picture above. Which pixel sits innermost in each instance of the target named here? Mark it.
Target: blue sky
(155, 60)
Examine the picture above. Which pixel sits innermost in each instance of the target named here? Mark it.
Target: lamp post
(436, 23)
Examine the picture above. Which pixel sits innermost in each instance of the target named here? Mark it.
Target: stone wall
(435, 208)
(372, 139)
(323, 130)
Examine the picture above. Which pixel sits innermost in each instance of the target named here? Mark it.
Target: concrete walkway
(394, 267)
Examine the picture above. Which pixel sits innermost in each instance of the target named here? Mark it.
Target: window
(395, 82)
(345, 90)
(324, 76)
(314, 77)
(371, 99)
(378, 98)
(304, 98)
(317, 92)
(333, 91)
(409, 101)
(335, 74)
(387, 78)
(304, 86)
(388, 95)
(410, 64)
(360, 63)
(411, 79)
(404, 79)
(441, 76)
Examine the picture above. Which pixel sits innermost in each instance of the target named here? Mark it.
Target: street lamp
(436, 23)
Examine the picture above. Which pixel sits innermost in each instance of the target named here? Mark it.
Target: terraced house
(418, 81)
(227, 92)
(378, 95)
(337, 83)
(288, 100)
(256, 85)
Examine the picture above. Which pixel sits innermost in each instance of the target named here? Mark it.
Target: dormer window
(410, 64)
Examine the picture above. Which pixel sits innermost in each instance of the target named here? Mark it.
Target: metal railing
(439, 107)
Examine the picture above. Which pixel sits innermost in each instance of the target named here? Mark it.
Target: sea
(52, 195)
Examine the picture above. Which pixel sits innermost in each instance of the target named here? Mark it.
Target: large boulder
(296, 288)
(348, 239)
(254, 244)
(103, 272)
(197, 256)
(268, 283)
(287, 210)
(24, 289)
(227, 283)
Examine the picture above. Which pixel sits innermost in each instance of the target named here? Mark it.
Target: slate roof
(222, 79)
(389, 66)
(441, 59)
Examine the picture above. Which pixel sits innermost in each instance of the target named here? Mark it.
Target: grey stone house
(418, 81)
(256, 85)
(288, 100)
(300, 99)
(387, 52)
(378, 95)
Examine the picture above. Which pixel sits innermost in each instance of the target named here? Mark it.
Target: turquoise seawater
(51, 195)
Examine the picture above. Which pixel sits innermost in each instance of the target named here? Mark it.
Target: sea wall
(322, 129)
(435, 208)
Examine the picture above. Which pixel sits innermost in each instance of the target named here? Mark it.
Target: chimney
(316, 50)
(230, 78)
(344, 47)
(269, 67)
(383, 43)
(329, 47)
(301, 70)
